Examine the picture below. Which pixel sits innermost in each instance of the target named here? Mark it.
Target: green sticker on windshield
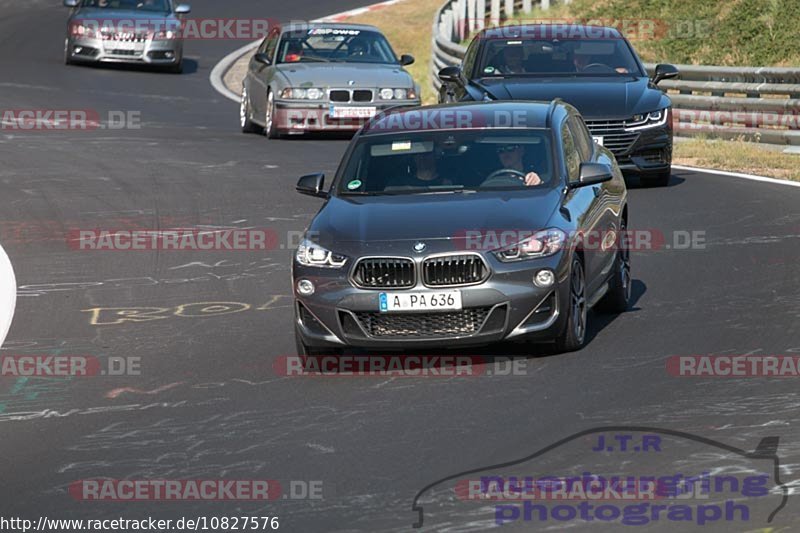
(353, 185)
(489, 70)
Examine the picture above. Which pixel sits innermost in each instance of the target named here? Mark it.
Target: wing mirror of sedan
(591, 174)
(664, 72)
(263, 58)
(183, 9)
(406, 59)
(70, 3)
(450, 74)
(312, 185)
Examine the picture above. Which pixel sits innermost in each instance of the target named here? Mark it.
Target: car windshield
(335, 44)
(134, 5)
(447, 162)
(580, 57)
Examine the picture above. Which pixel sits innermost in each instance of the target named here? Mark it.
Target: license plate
(353, 112)
(420, 301)
(124, 45)
(598, 140)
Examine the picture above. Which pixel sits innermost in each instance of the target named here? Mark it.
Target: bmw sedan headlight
(312, 254)
(653, 119)
(298, 93)
(397, 94)
(541, 244)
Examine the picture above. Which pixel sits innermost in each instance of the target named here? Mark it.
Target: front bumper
(149, 52)
(507, 306)
(641, 151)
(300, 117)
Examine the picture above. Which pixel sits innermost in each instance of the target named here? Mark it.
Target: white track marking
(752, 177)
(8, 294)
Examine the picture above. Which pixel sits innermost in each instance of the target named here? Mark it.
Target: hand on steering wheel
(507, 172)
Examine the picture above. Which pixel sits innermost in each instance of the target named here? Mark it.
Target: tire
(67, 60)
(270, 128)
(618, 297)
(573, 337)
(248, 126)
(658, 179)
(177, 68)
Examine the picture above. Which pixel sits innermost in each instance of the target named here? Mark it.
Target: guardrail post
(527, 5)
(495, 13)
(480, 15)
(545, 5)
(509, 9)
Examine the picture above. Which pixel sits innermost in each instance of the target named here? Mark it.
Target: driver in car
(512, 157)
(512, 58)
(294, 52)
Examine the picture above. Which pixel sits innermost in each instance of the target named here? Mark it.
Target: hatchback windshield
(335, 44)
(603, 57)
(448, 161)
(137, 5)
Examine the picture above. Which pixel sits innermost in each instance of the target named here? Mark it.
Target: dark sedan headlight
(312, 254)
(300, 93)
(653, 119)
(397, 94)
(542, 244)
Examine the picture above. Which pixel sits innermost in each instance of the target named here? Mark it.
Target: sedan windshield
(134, 5)
(335, 44)
(449, 161)
(526, 57)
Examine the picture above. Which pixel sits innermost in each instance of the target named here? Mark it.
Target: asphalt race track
(208, 403)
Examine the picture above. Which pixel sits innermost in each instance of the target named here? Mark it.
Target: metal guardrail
(760, 104)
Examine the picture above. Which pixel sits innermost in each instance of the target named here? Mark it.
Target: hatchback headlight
(312, 254)
(83, 30)
(397, 94)
(542, 244)
(165, 35)
(648, 120)
(297, 93)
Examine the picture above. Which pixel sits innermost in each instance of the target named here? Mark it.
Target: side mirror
(450, 74)
(407, 59)
(591, 174)
(183, 9)
(312, 185)
(664, 72)
(70, 3)
(263, 58)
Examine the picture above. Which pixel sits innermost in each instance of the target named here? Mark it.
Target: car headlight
(648, 120)
(541, 244)
(397, 94)
(297, 93)
(165, 35)
(81, 30)
(312, 254)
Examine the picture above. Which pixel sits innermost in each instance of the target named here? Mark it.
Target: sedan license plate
(598, 140)
(420, 301)
(353, 112)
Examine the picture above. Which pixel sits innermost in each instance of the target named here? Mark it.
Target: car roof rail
(553, 106)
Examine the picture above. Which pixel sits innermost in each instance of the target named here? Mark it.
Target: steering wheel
(597, 66)
(499, 175)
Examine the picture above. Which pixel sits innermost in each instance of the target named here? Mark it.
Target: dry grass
(408, 25)
(737, 156)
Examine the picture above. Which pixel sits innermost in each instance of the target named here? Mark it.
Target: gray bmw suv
(463, 224)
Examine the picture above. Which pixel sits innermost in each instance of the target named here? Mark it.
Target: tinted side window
(583, 141)
(469, 58)
(269, 44)
(571, 157)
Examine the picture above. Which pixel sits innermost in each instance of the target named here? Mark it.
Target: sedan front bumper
(300, 117)
(149, 52)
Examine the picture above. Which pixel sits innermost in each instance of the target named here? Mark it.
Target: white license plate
(598, 140)
(124, 45)
(420, 301)
(353, 112)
